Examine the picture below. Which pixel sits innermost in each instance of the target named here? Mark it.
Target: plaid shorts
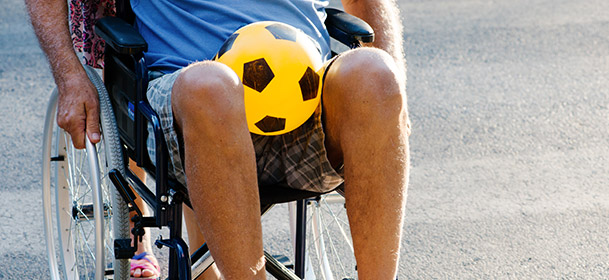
(296, 159)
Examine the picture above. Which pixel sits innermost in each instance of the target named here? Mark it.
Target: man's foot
(145, 266)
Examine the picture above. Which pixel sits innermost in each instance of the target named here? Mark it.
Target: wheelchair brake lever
(122, 186)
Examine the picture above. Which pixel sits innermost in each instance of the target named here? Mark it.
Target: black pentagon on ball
(283, 32)
(228, 44)
(257, 74)
(271, 124)
(309, 84)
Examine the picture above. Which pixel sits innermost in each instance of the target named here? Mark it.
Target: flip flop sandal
(146, 265)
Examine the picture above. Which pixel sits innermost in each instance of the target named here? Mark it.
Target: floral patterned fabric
(83, 16)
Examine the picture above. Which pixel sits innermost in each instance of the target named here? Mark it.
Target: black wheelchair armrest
(348, 29)
(120, 36)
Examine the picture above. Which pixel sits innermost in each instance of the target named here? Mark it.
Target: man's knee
(207, 89)
(368, 84)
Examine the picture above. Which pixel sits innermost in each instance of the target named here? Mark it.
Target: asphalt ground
(509, 105)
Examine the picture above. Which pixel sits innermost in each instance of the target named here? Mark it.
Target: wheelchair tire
(87, 207)
(329, 250)
(329, 241)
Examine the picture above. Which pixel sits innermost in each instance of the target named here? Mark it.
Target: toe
(137, 272)
(147, 273)
(145, 267)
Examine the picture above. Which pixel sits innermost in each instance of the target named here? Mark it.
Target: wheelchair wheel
(87, 208)
(329, 245)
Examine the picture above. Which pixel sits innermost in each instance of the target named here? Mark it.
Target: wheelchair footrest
(283, 259)
(277, 269)
(123, 249)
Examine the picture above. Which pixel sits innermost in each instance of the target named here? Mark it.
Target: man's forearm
(384, 17)
(50, 21)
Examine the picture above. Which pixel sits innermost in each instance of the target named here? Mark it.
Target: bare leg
(145, 245)
(367, 126)
(207, 101)
(196, 240)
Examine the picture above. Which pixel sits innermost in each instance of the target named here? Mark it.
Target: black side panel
(121, 83)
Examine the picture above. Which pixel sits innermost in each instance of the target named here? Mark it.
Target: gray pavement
(509, 103)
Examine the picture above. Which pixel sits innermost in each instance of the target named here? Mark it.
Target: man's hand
(78, 110)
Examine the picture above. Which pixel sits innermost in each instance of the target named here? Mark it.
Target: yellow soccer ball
(279, 66)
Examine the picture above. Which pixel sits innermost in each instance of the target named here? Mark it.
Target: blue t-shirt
(180, 32)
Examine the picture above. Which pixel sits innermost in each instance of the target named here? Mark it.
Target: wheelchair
(88, 204)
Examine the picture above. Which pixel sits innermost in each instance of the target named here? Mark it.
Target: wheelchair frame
(126, 79)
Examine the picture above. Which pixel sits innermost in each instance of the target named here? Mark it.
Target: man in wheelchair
(360, 133)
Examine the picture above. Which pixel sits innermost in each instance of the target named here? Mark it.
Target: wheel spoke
(82, 225)
(340, 227)
(334, 250)
(72, 240)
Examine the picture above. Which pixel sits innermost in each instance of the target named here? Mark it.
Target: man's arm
(78, 108)
(384, 18)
